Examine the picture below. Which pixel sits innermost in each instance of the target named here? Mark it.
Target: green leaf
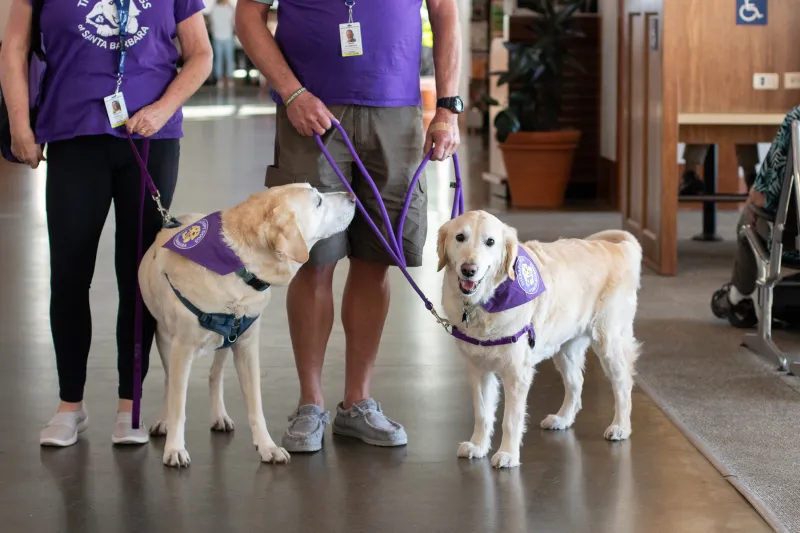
(506, 122)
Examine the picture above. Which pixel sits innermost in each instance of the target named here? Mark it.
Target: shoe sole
(301, 449)
(372, 442)
(82, 426)
(129, 440)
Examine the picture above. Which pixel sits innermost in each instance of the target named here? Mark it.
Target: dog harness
(512, 293)
(202, 243)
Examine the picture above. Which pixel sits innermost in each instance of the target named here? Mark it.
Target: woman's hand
(756, 199)
(24, 147)
(150, 119)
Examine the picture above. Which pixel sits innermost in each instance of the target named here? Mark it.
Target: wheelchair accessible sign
(751, 12)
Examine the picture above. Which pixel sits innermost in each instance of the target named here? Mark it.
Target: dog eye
(489, 242)
(460, 237)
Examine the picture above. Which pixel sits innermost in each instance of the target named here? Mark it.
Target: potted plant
(537, 150)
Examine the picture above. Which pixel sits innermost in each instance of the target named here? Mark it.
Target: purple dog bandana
(202, 243)
(515, 292)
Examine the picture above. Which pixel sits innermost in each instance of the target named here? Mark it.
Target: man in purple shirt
(370, 84)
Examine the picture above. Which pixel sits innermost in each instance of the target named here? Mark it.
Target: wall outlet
(791, 80)
(765, 82)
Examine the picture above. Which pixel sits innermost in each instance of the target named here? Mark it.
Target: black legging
(84, 175)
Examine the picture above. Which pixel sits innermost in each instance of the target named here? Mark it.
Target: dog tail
(629, 244)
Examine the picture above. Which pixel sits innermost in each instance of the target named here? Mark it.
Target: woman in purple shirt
(90, 164)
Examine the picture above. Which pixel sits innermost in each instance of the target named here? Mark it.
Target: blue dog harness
(225, 324)
(202, 243)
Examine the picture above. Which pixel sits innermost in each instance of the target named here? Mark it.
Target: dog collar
(511, 339)
(515, 292)
(202, 243)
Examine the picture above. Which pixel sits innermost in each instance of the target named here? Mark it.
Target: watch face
(458, 105)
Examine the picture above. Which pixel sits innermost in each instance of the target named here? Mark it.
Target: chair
(772, 266)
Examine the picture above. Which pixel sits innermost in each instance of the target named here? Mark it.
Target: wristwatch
(451, 103)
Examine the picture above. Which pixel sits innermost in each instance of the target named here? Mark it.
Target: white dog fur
(590, 301)
(272, 233)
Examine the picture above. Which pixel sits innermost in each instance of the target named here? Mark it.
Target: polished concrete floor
(571, 481)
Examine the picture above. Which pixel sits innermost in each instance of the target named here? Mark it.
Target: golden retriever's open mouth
(468, 286)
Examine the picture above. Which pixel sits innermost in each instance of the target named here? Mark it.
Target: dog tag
(465, 318)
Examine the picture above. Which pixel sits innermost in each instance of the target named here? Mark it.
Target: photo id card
(115, 107)
(350, 36)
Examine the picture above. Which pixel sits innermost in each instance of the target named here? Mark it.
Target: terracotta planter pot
(539, 165)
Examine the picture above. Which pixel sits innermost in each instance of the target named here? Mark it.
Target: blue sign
(751, 12)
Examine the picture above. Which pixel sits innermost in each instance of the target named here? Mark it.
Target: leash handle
(391, 245)
(394, 244)
(138, 313)
(167, 221)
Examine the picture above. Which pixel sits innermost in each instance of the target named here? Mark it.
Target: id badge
(350, 37)
(116, 109)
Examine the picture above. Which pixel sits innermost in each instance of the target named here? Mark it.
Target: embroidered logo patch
(527, 276)
(191, 236)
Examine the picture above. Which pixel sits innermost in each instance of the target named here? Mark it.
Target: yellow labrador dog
(513, 305)
(206, 283)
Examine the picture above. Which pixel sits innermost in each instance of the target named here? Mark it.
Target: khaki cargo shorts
(389, 141)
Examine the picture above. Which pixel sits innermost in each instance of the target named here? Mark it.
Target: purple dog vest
(515, 292)
(510, 294)
(202, 243)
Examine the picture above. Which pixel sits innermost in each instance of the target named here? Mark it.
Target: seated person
(694, 155)
(734, 300)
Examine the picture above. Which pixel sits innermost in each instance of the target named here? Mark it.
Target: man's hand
(309, 115)
(442, 135)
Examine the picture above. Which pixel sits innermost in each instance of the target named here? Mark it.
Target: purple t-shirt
(81, 42)
(386, 75)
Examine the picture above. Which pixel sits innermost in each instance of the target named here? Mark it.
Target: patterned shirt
(769, 180)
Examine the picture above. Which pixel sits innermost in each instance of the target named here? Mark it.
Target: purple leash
(394, 244)
(168, 222)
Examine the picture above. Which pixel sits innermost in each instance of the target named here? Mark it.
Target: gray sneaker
(306, 428)
(366, 421)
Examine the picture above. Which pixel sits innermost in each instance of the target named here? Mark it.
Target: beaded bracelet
(297, 93)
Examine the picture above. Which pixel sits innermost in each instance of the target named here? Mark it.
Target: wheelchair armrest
(761, 213)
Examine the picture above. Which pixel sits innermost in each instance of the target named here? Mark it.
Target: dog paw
(615, 432)
(273, 454)
(222, 423)
(178, 457)
(505, 460)
(468, 450)
(158, 429)
(555, 422)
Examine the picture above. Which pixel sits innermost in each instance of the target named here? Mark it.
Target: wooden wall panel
(715, 59)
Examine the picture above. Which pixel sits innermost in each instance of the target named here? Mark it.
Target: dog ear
(287, 240)
(441, 245)
(512, 244)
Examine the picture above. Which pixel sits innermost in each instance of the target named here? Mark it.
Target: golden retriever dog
(515, 304)
(271, 234)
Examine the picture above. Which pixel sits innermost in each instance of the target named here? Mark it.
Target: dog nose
(468, 270)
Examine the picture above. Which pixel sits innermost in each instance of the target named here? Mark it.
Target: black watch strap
(451, 103)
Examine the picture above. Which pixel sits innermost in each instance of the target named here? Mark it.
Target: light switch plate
(765, 81)
(791, 80)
